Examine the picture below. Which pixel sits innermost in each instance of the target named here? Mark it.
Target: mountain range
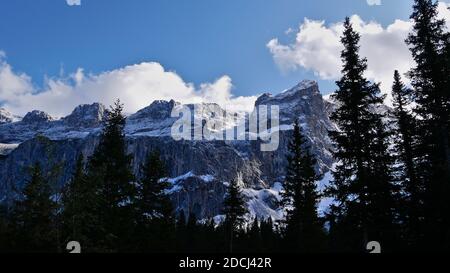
(199, 170)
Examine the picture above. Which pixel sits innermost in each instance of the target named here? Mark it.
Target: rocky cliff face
(86, 116)
(199, 170)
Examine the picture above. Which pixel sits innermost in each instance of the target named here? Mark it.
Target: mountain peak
(86, 115)
(37, 116)
(305, 84)
(304, 90)
(7, 117)
(158, 109)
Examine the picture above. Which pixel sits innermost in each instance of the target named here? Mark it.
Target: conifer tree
(384, 193)
(270, 238)
(405, 146)
(432, 99)
(153, 206)
(304, 231)
(210, 238)
(34, 215)
(152, 199)
(109, 172)
(362, 176)
(234, 210)
(79, 203)
(254, 236)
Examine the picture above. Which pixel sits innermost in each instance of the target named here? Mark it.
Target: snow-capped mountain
(199, 170)
(7, 117)
(85, 119)
(86, 116)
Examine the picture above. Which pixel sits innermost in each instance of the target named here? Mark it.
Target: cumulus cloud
(374, 2)
(136, 85)
(444, 13)
(317, 48)
(73, 2)
(12, 85)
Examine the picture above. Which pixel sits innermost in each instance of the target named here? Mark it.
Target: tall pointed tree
(34, 215)
(432, 99)
(362, 175)
(152, 199)
(270, 237)
(304, 230)
(155, 224)
(234, 210)
(405, 146)
(254, 236)
(79, 203)
(109, 171)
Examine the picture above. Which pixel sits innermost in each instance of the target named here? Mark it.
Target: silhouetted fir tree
(34, 215)
(405, 146)
(432, 99)
(304, 231)
(211, 238)
(360, 183)
(79, 202)
(385, 194)
(153, 200)
(234, 208)
(446, 190)
(153, 206)
(270, 238)
(254, 237)
(109, 171)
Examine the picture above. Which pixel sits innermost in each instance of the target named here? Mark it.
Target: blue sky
(201, 40)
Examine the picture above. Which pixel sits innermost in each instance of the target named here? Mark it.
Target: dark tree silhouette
(405, 150)
(34, 215)
(304, 231)
(110, 174)
(362, 185)
(155, 223)
(234, 209)
(431, 95)
(79, 203)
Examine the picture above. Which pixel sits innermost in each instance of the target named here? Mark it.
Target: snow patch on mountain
(325, 202)
(6, 149)
(7, 117)
(177, 182)
(303, 85)
(264, 203)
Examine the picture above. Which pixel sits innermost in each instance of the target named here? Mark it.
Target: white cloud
(73, 2)
(444, 13)
(374, 2)
(12, 85)
(289, 31)
(317, 48)
(136, 85)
